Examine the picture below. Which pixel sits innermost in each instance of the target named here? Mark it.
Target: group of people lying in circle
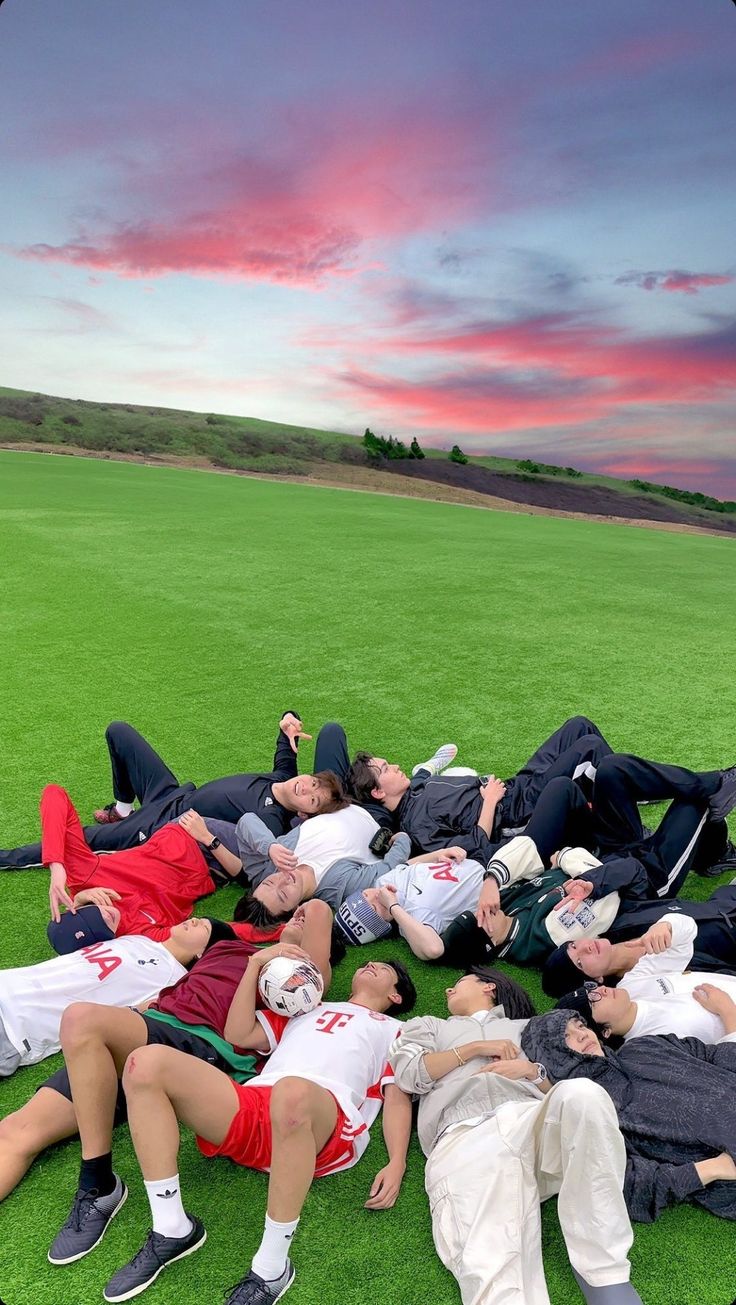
(621, 1101)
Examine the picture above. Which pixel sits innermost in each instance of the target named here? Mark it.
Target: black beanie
(559, 975)
(221, 932)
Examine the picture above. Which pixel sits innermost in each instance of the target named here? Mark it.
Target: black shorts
(161, 1034)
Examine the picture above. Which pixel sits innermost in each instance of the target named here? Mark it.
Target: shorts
(10, 1057)
(165, 1035)
(248, 1140)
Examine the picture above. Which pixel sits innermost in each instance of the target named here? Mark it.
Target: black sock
(97, 1174)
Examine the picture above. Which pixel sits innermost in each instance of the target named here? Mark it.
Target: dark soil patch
(556, 496)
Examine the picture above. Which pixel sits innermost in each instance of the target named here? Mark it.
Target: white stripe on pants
(485, 1182)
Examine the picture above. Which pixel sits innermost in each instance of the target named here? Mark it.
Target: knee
(289, 1105)
(581, 725)
(117, 730)
(80, 1021)
(19, 1135)
(560, 787)
(611, 767)
(317, 912)
(583, 1100)
(145, 1068)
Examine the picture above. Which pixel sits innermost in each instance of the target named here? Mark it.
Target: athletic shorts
(161, 1034)
(248, 1140)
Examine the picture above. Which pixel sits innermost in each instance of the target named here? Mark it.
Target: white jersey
(663, 992)
(341, 1046)
(122, 972)
(435, 893)
(336, 836)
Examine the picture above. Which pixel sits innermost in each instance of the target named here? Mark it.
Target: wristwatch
(541, 1075)
(214, 844)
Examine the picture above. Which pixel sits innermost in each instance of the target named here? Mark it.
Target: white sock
(123, 808)
(167, 1212)
(269, 1261)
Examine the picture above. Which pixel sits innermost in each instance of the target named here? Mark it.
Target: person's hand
(554, 860)
(658, 938)
(489, 902)
(283, 858)
(388, 896)
(385, 1187)
(291, 726)
(576, 890)
(496, 1048)
(514, 1069)
(493, 790)
(714, 999)
(266, 954)
(58, 895)
(96, 897)
(193, 823)
(454, 854)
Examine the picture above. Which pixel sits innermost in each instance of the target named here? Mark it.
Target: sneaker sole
(286, 1288)
(80, 1256)
(143, 1286)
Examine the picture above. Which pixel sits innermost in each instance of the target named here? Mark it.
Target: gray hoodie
(462, 1094)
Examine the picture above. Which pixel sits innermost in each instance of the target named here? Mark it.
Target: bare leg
(163, 1086)
(303, 1118)
(47, 1118)
(96, 1041)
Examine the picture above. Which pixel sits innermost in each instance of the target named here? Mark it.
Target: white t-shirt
(336, 836)
(122, 972)
(663, 992)
(436, 892)
(343, 1047)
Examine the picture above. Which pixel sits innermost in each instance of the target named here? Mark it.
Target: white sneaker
(442, 758)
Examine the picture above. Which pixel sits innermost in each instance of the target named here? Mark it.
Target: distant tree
(415, 449)
(527, 465)
(377, 446)
(457, 455)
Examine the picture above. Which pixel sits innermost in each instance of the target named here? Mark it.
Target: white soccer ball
(290, 987)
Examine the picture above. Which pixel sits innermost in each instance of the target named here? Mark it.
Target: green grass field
(200, 606)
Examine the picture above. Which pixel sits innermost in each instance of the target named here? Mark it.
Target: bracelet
(460, 1060)
(391, 907)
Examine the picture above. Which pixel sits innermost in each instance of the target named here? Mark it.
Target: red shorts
(248, 1140)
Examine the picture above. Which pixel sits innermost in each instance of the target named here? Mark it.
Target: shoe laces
(148, 1248)
(82, 1208)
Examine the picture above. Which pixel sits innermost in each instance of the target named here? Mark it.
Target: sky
(504, 225)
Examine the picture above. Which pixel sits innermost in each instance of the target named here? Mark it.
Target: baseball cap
(78, 929)
(358, 921)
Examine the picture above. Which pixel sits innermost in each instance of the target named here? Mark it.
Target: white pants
(485, 1182)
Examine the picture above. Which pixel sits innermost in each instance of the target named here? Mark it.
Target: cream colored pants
(485, 1183)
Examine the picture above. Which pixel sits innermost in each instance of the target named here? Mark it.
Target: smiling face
(376, 980)
(281, 892)
(391, 782)
(578, 1037)
(470, 994)
(307, 794)
(592, 956)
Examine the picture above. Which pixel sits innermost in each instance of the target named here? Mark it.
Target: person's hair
(338, 946)
(334, 796)
(516, 1002)
(248, 910)
(404, 987)
(361, 777)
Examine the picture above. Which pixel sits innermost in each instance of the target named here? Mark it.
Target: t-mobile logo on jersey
(330, 1020)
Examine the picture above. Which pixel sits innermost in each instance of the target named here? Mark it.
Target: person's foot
(724, 799)
(155, 1255)
(252, 1290)
(108, 815)
(87, 1223)
(721, 867)
(442, 757)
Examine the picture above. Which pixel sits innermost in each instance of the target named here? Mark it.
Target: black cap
(579, 1001)
(78, 929)
(559, 974)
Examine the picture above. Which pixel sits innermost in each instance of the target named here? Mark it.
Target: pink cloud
(309, 211)
(688, 283)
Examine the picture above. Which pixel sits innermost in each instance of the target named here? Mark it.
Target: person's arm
(417, 1064)
(517, 859)
(650, 1187)
(669, 946)
(310, 928)
(454, 853)
(491, 792)
(520, 1069)
(58, 892)
(96, 897)
(256, 839)
(720, 1003)
(424, 941)
(287, 741)
(396, 1133)
(195, 825)
(242, 1026)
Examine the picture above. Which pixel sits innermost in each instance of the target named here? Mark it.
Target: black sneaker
(722, 867)
(252, 1290)
(156, 1254)
(87, 1223)
(724, 799)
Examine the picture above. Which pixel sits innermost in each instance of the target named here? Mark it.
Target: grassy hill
(247, 444)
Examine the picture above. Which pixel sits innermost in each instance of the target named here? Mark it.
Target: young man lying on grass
(191, 1016)
(307, 1114)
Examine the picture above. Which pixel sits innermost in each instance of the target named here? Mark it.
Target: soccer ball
(290, 987)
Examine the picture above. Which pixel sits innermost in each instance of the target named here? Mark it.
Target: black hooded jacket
(676, 1104)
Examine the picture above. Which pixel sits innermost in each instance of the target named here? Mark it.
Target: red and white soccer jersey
(435, 893)
(343, 1047)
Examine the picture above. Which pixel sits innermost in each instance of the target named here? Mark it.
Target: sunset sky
(506, 224)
